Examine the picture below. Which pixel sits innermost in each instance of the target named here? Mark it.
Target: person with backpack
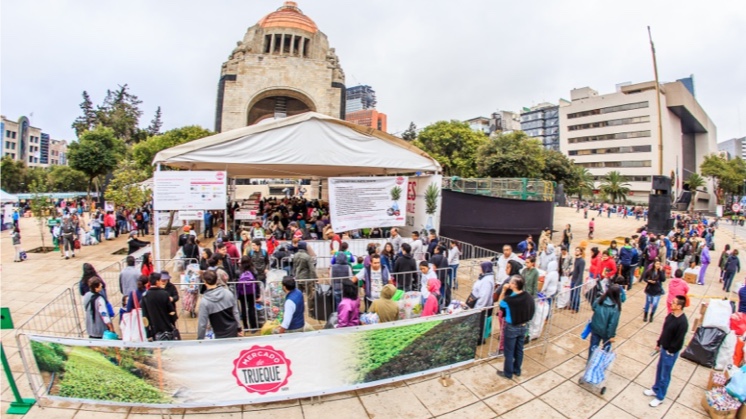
(97, 317)
(732, 266)
(606, 311)
(260, 260)
(655, 277)
(190, 250)
(140, 221)
(68, 234)
(247, 290)
(337, 272)
(304, 267)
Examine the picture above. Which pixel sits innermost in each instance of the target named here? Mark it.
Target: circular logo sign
(399, 180)
(220, 175)
(261, 369)
(736, 208)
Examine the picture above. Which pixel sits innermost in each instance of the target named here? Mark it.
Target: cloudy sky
(428, 60)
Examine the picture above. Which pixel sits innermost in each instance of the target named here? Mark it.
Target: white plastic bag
(718, 315)
(536, 325)
(563, 296)
(726, 351)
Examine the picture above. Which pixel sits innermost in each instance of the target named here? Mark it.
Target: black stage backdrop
(491, 222)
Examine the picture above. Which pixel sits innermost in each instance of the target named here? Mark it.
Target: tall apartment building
(500, 121)
(619, 132)
(542, 122)
(23, 142)
(735, 147)
(360, 108)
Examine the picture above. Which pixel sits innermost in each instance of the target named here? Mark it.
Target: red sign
(400, 180)
(220, 175)
(262, 369)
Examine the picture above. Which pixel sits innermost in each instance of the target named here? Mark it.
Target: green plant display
(431, 198)
(50, 357)
(395, 193)
(379, 346)
(89, 375)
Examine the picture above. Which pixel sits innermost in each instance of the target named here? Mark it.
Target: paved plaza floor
(548, 387)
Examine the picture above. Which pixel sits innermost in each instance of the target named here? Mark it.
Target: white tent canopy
(6, 197)
(305, 145)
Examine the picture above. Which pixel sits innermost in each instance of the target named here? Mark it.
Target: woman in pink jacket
(677, 286)
(348, 312)
(431, 304)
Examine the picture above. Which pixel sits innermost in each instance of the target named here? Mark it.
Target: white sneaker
(648, 392)
(655, 402)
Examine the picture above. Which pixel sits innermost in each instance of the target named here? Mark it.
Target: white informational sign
(163, 218)
(244, 214)
(108, 206)
(366, 202)
(182, 190)
(719, 211)
(8, 214)
(190, 215)
(418, 218)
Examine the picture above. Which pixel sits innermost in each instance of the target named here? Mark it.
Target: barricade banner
(367, 202)
(254, 369)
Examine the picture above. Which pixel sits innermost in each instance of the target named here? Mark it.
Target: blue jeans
(452, 273)
(575, 292)
(651, 301)
(97, 234)
(514, 339)
(728, 280)
(595, 341)
(663, 373)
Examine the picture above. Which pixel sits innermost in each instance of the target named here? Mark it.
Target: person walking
(669, 344)
(591, 226)
(654, 278)
(606, 311)
(576, 279)
(732, 266)
(16, 235)
(721, 261)
(567, 236)
(518, 309)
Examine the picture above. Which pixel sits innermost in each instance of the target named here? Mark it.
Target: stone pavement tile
(626, 331)
(294, 412)
(378, 389)
(634, 350)
(399, 403)
(573, 401)
(647, 379)
(535, 408)
(572, 343)
(264, 406)
(439, 399)
(632, 401)
(680, 411)
(508, 400)
(691, 397)
(627, 367)
(700, 377)
(684, 369)
(646, 339)
(102, 408)
(88, 414)
(345, 408)
(482, 380)
(571, 367)
(476, 410)
(149, 412)
(327, 398)
(543, 383)
(37, 412)
(529, 369)
(614, 384)
(553, 357)
(612, 412)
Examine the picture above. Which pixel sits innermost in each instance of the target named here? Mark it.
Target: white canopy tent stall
(7, 197)
(309, 145)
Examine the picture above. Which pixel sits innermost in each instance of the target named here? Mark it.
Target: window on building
(278, 44)
(296, 45)
(13, 133)
(306, 46)
(637, 163)
(611, 150)
(287, 44)
(611, 122)
(616, 136)
(7, 133)
(267, 43)
(610, 109)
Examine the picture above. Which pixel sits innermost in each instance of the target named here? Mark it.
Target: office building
(369, 118)
(23, 142)
(542, 123)
(360, 108)
(619, 132)
(498, 122)
(735, 147)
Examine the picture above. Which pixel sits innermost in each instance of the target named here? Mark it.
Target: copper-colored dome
(289, 16)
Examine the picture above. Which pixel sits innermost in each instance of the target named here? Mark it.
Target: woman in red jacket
(608, 265)
(109, 224)
(595, 269)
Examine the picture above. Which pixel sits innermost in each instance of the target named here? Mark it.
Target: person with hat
(134, 244)
(183, 237)
(173, 293)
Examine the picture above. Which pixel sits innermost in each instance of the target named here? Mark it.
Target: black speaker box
(659, 214)
(662, 183)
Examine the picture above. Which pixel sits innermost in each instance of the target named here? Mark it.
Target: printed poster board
(366, 202)
(186, 190)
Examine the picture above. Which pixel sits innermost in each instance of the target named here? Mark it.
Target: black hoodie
(406, 281)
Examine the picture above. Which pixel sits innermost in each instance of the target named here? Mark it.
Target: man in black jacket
(158, 308)
(669, 344)
(518, 308)
(405, 270)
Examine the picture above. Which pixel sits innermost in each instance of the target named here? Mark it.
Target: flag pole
(658, 100)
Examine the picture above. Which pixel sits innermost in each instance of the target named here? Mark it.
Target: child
(358, 266)
(431, 303)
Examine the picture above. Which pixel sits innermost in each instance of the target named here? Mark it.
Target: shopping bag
(487, 328)
(738, 323)
(563, 297)
(109, 335)
(586, 331)
(133, 329)
(737, 387)
(22, 255)
(704, 346)
(536, 325)
(595, 370)
(76, 244)
(726, 351)
(718, 315)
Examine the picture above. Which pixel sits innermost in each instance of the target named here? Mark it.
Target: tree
(41, 208)
(87, 121)
(454, 145)
(121, 112)
(66, 179)
(728, 175)
(584, 183)
(144, 152)
(125, 189)
(615, 187)
(155, 124)
(559, 168)
(36, 175)
(511, 155)
(411, 133)
(13, 175)
(96, 153)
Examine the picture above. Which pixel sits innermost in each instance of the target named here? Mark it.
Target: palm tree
(585, 183)
(615, 187)
(694, 182)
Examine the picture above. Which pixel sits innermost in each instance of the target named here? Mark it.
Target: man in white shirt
(396, 240)
(417, 248)
(502, 263)
(374, 279)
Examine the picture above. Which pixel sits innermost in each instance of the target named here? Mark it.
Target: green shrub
(47, 358)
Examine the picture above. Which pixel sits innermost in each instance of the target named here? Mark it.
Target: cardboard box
(690, 278)
(726, 414)
(695, 325)
(703, 308)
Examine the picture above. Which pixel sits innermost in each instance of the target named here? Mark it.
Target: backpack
(652, 252)
(245, 284)
(138, 216)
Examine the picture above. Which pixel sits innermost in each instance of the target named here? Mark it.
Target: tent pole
(156, 227)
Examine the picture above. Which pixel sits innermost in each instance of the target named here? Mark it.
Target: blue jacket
(297, 297)
(605, 319)
(625, 255)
